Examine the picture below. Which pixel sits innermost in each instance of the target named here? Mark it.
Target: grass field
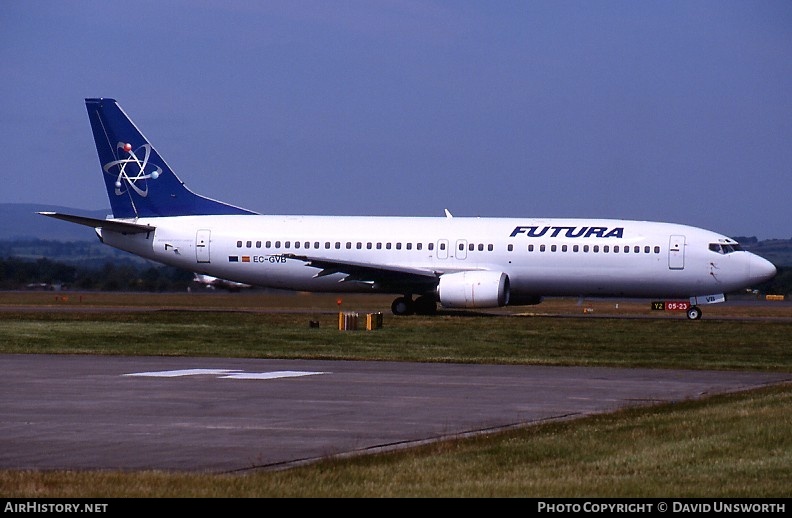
(724, 446)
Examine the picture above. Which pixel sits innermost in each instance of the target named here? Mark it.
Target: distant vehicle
(458, 262)
(40, 286)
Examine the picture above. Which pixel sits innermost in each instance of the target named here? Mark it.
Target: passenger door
(676, 252)
(202, 245)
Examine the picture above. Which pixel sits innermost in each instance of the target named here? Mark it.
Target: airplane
(458, 262)
(213, 282)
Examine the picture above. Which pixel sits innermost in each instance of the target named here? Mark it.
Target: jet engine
(473, 289)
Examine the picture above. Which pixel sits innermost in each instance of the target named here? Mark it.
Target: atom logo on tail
(133, 170)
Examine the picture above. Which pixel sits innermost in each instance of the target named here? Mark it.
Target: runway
(230, 415)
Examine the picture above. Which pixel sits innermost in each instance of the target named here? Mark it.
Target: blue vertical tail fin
(139, 182)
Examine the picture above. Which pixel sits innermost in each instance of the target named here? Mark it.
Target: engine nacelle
(474, 289)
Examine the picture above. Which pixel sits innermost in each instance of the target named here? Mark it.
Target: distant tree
(116, 275)
(781, 284)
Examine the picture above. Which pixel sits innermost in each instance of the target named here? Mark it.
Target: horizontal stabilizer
(123, 227)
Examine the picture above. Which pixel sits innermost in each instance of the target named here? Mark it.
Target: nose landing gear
(694, 313)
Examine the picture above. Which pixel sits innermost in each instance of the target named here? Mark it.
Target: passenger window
(239, 244)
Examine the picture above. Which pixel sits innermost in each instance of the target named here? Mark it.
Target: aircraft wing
(420, 279)
(123, 227)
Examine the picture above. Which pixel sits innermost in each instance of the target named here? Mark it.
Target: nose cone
(760, 269)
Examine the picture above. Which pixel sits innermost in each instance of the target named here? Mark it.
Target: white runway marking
(269, 375)
(225, 374)
(183, 372)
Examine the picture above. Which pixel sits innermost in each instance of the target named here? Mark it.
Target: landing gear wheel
(694, 313)
(402, 306)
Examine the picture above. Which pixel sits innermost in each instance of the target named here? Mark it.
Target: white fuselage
(541, 257)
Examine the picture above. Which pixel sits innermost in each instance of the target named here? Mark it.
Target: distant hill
(19, 221)
(777, 251)
(26, 235)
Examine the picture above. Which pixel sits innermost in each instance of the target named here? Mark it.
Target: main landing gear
(423, 305)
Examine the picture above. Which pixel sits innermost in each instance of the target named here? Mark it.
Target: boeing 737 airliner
(458, 262)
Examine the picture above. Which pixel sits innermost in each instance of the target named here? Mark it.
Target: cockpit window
(722, 248)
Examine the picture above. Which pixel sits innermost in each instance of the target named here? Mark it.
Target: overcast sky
(662, 110)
